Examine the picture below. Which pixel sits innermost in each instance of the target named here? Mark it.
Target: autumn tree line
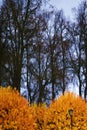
(42, 49)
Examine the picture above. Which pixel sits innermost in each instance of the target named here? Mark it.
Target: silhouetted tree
(19, 24)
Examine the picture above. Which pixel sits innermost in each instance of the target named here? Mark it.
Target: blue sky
(66, 5)
(0, 1)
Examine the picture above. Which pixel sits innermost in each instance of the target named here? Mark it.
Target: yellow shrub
(38, 112)
(16, 114)
(57, 116)
(14, 111)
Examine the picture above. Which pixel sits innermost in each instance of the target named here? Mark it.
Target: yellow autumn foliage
(14, 111)
(57, 116)
(38, 112)
(17, 114)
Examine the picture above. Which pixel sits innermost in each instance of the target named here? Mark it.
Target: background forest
(41, 50)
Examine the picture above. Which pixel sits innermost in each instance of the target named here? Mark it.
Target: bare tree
(19, 24)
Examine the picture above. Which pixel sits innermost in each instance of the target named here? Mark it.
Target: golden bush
(14, 111)
(38, 112)
(57, 116)
(17, 114)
